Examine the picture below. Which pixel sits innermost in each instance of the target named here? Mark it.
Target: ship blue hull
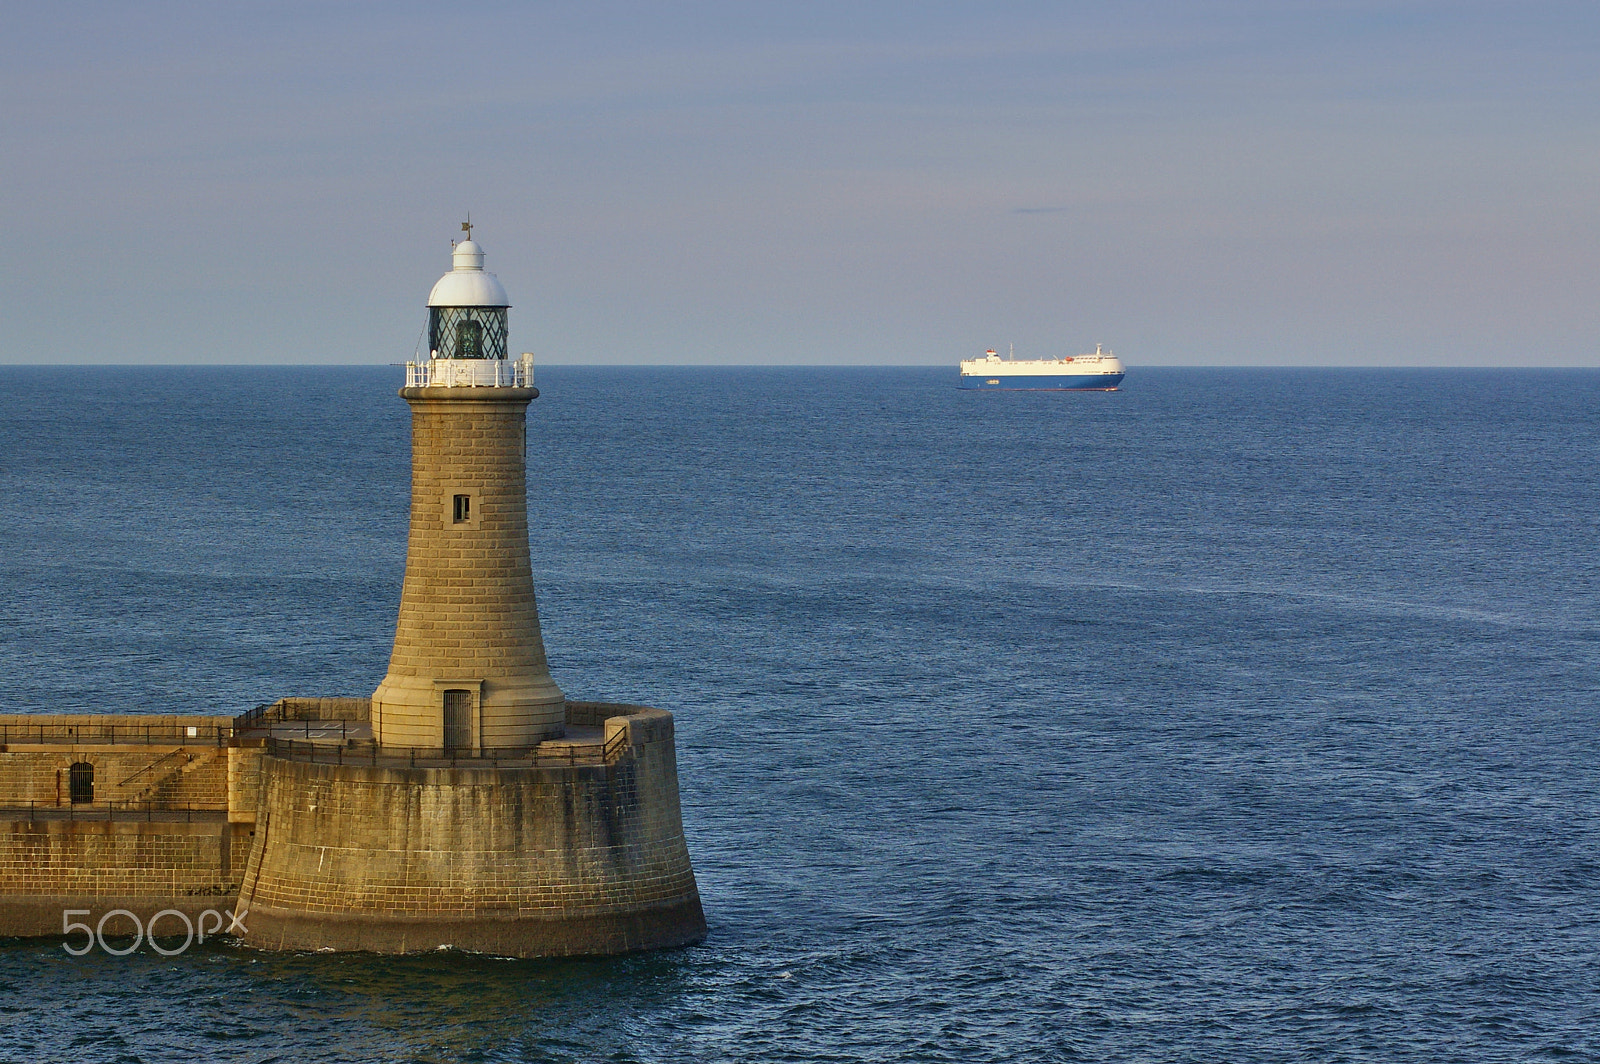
(1066, 382)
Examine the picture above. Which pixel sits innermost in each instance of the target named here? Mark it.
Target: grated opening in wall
(81, 782)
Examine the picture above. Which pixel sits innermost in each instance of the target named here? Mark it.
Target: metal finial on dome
(466, 226)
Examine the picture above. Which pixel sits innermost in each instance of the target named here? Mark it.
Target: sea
(1238, 715)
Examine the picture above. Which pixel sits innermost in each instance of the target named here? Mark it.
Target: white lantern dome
(468, 284)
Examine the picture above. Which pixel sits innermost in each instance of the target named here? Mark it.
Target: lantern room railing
(471, 373)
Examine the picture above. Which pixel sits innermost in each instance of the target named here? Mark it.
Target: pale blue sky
(1190, 183)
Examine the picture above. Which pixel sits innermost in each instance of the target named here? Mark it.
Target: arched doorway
(80, 782)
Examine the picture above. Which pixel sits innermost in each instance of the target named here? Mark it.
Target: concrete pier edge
(680, 923)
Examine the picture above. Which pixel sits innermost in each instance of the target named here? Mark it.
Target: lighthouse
(488, 811)
(468, 672)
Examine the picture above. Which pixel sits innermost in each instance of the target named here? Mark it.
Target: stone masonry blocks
(468, 611)
(527, 862)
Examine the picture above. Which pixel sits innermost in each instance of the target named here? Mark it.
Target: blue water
(1237, 716)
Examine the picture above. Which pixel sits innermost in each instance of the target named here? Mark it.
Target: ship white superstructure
(1101, 371)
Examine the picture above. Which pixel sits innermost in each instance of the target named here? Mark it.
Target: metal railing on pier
(115, 734)
(327, 731)
(255, 717)
(149, 812)
(561, 755)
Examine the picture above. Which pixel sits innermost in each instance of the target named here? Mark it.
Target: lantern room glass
(467, 332)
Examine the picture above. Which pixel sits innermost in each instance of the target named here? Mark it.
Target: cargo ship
(1099, 372)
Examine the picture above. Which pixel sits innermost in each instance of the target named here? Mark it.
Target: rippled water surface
(1237, 716)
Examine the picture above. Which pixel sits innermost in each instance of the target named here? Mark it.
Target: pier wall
(576, 859)
(157, 831)
(164, 760)
(587, 859)
(49, 866)
(194, 777)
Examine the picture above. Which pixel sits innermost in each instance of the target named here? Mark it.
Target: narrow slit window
(463, 508)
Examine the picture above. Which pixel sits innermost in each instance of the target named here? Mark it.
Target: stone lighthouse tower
(488, 811)
(468, 670)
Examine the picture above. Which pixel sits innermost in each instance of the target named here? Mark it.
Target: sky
(893, 183)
